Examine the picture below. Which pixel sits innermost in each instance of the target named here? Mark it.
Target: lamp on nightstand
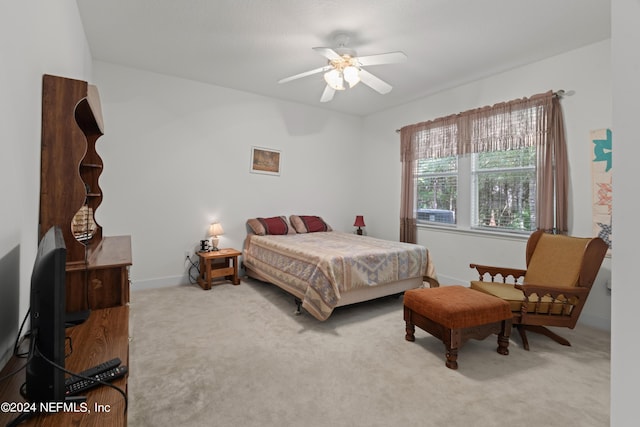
(359, 223)
(215, 230)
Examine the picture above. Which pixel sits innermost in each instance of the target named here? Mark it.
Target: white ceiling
(251, 44)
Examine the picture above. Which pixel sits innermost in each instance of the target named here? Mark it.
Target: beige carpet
(237, 356)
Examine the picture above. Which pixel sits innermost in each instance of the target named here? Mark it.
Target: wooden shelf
(69, 182)
(104, 336)
(71, 126)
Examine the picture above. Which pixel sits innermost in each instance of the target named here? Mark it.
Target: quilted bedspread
(318, 267)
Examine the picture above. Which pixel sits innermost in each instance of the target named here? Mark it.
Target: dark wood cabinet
(104, 280)
(70, 194)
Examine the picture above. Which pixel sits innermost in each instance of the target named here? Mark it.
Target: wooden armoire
(97, 266)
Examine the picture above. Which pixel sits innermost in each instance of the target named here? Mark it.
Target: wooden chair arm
(504, 272)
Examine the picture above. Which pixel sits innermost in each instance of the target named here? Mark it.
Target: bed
(324, 269)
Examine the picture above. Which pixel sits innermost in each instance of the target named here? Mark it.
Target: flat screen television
(44, 376)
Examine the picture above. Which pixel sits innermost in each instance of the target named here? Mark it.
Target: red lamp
(359, 223)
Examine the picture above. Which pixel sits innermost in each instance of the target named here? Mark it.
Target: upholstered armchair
(554, 287)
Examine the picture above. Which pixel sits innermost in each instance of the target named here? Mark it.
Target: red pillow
(314, 223)
(274, 225)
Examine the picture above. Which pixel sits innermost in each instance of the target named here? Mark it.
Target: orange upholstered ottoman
(455, 314)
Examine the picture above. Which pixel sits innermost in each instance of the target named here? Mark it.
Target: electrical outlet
(187, 254)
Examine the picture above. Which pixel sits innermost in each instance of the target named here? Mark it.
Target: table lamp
(214, 231)
(359, 223)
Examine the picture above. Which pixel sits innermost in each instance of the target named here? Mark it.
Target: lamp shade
(334, 79)
(359, 221)
(351, 75)
(216, 229)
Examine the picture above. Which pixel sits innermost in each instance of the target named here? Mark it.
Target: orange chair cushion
(456, 306)
(505, 291)
(556, 260)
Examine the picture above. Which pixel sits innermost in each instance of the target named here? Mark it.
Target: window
(499, 168)
(501, 184)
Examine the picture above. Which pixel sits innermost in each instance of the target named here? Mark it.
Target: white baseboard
(447, 281)
(159, 282)
(594, 322)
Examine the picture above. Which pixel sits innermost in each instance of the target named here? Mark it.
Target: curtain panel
(527, 122)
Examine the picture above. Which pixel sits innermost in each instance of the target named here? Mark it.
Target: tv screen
(44, 377)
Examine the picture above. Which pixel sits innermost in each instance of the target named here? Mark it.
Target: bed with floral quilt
(324, 269)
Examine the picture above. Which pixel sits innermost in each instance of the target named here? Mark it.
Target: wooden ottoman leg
(452, 342)
(452, 358)
(503, 337)
(410, 327)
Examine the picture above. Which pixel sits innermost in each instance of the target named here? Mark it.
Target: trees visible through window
(504, 190)
(437, 190)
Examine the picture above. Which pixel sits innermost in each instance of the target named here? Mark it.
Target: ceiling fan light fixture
(334, 79)
(351, 75)
(343, 65)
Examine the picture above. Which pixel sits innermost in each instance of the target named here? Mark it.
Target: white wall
(36, 37)
(177, 156)
(586, 71)
(625, 39)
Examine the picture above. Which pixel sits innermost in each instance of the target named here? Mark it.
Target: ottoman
(455, 314)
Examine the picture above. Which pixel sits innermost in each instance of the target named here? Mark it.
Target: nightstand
(210, 269)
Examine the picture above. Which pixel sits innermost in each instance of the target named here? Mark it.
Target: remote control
(106, 376)
(91, 372)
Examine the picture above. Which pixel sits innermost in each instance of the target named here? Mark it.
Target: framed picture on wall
(265, 161)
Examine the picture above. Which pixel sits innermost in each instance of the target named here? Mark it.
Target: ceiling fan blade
(328, 93)
(328, 53)
(305, 74)
(374, 82)
(382, 58)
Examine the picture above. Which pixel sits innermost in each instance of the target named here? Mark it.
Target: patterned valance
(508, 125)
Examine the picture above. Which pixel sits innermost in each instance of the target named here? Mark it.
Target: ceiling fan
(344, 69)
